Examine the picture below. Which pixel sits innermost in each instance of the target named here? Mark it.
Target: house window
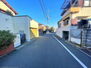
(87, 3)
(66, 21)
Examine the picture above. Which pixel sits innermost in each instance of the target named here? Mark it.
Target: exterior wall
(21, 24)
(75, 40)
(6, 22)
(80, 3)
(5, 8)
(75, 34)
(34, 32)
(62, 28)
(33, 24)
(85, 11)
(34, 29)
(66, 28)
(59, 32)
(15, 24)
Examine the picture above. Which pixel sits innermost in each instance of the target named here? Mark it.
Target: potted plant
(6, 42)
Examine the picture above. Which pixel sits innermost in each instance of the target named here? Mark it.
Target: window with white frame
(87, 3)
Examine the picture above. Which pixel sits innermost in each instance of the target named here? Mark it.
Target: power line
(44, 9)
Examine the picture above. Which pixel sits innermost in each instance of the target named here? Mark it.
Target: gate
(86, 37)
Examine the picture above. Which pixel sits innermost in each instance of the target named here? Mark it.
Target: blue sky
(33, 9)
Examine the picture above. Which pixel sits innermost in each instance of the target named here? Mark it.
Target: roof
(23, 16)
(7, 4)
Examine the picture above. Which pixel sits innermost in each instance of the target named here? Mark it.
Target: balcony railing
(68, 5)
(74, 9)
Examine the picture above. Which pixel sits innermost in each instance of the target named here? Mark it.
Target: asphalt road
(46, 52)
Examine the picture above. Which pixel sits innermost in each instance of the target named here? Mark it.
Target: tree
(52, 29)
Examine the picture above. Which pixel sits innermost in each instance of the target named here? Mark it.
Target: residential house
(22, 26)
(42, 28)
(34, 32)
(6, 8)
(18, 25)
(73, 12)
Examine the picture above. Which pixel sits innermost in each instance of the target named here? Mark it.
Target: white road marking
(84, 52)
(80, 62)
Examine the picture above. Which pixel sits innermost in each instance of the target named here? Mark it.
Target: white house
(22, 25)
(17, 25)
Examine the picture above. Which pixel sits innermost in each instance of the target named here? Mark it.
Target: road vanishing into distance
(46, 52)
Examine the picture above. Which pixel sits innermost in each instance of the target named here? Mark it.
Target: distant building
(34, 32)
(73, 12)
(42, 28)
(6, 8)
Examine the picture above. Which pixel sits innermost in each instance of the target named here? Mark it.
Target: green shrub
(6, 38)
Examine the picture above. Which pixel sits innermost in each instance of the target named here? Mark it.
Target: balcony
(71, 7)
(74, 9)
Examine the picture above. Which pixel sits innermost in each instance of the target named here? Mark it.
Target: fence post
(81, 39)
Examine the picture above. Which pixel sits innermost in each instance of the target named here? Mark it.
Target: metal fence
(86, 37)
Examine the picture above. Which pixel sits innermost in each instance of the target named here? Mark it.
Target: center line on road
(80, 62)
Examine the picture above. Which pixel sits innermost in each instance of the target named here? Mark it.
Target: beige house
(72, 13)
(6, 8)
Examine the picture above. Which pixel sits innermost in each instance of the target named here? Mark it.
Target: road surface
(46, 52)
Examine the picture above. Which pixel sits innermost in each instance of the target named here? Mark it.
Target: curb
(75, 45)
(7, 54)
(26, 43)
(17, 48)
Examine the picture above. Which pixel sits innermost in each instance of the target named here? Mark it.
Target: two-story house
(73, 12)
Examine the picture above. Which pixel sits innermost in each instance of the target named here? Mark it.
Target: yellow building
(6, 8)
(34, 29)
